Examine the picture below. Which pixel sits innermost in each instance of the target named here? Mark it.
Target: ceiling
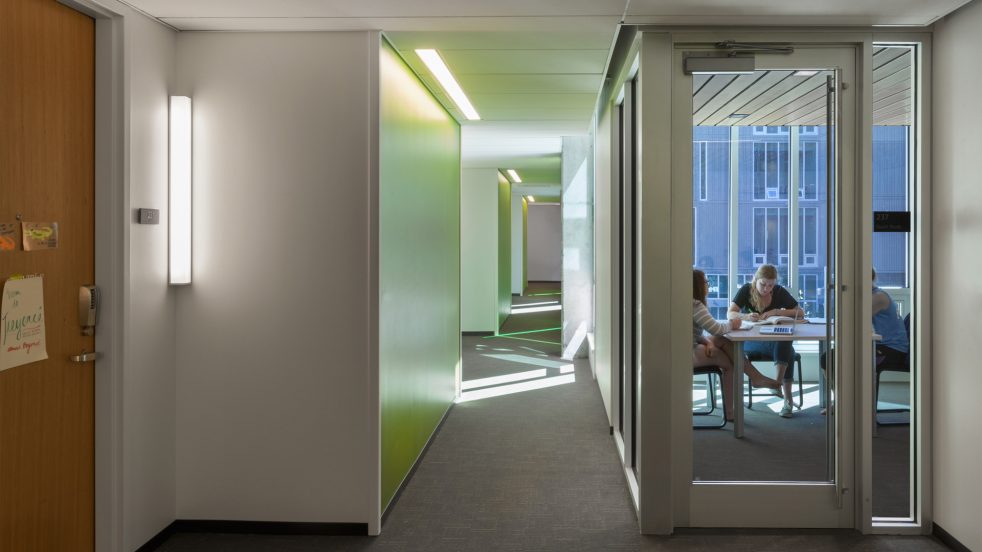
(782, 98)
(532, 68)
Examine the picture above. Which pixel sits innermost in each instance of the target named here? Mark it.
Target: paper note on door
(8, 236)
(40, 235)
(22, 322)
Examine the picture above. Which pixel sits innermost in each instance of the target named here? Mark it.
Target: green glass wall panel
(419, 266)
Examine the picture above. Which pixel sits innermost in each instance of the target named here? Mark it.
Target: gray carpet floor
(528, 469)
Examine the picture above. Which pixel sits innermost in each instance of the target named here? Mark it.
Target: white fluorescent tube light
(180, 190)
(805, 73)
(442, 73)
(514, 175)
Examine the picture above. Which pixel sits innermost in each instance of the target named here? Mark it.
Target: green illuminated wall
(419, 266)
(504, 249)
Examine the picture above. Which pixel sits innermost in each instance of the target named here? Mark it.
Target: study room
(769, 376)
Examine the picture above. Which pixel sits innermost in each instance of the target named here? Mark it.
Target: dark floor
(528, 469)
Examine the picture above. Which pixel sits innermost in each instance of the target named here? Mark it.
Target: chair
(903, 366)
(713, 374)
(762, 357)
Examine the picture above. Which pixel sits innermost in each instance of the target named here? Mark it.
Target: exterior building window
(701, 162)
(771, 236)
(808, 130)
(770, 170)
(810, 289)
(808, 236)
(808, 184)
(772, 130)
(718, 299)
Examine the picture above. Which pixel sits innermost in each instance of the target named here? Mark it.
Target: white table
(803, 332)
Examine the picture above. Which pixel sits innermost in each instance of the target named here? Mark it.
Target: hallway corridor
(526, 470)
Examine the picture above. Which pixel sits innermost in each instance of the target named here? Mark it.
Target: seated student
(717, 350)
(893, 348)
(760, 299)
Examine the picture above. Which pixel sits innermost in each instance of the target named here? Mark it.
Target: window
(810, 293)
(808, 236)
(808, 158)
(700, 150)
(808, 130)
(772, 130)
(891, 147)
(718, 299)
(771, 236)
(770, 170)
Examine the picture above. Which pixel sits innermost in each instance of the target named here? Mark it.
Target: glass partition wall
(760, 176)
(894, 259)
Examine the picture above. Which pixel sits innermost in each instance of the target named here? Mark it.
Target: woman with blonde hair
(717, 350)
(761, 299)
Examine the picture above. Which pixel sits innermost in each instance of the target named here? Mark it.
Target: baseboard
(948, 540)
(255, 528)
(412, 470)
(477, 334)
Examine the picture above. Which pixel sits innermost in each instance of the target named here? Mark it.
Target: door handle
(86, 356)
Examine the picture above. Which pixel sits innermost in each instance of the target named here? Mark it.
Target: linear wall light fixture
(514, 176)
(179, 225)
(442, 73)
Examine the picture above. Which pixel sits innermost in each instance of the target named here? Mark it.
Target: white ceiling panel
(533, 84)
(530, 62)
(588, 24)
(789, 12)
(539, 39)
(378, 8)
(533, 69)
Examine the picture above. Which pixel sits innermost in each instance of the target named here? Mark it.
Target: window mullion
(794, 222)
(734, 208)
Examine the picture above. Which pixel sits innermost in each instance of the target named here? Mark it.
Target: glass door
(771, 153)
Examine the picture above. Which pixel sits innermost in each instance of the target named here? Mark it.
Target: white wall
(149, 494)
(545, 243)
(517, 244)
(272, 336)
(603, 260)
(956, 290)
(577, 244)
(478, 250)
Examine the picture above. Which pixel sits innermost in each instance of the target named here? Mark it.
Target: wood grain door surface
(47, 131)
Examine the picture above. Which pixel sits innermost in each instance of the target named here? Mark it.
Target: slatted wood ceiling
(779, 98)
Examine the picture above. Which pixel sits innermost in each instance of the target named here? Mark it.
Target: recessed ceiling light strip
(442, 73)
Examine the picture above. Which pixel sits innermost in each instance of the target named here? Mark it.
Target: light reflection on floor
(518, 382)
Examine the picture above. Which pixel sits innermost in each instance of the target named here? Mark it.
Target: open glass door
(771, 155)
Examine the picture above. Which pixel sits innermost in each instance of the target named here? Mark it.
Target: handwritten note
(22, 322)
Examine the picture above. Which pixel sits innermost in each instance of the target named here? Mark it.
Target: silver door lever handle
(85, 356)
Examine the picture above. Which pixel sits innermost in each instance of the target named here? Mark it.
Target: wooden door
(47, 131)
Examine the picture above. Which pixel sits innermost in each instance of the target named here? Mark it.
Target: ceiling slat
(735, 88)
(710, 90)
(771, 85)
(807, 91)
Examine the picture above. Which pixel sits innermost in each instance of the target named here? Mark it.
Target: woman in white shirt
(716, 350)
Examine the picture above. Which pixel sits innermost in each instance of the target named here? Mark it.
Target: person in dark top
(761, 299)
